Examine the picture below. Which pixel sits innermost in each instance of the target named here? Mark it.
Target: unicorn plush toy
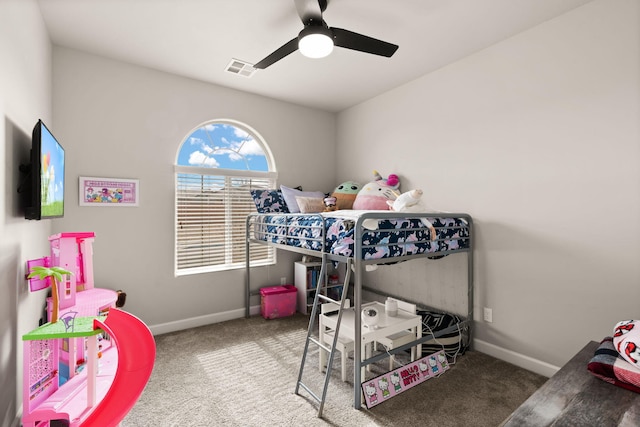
(375, 194)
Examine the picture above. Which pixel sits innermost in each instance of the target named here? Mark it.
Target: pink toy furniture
(136, 354)
(44, 398)
(74, 252)
(102, 394)
(75, 369)
(77, 295)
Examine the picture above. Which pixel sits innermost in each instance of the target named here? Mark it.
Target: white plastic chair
(400, 338)
(344, 345)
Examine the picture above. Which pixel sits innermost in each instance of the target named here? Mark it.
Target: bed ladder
(311, 338)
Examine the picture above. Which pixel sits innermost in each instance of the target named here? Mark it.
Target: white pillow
(290, 195)
(310, 204)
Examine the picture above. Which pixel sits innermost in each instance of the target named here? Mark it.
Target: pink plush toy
(375, 194)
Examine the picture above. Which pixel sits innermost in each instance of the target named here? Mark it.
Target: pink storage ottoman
(277, 301)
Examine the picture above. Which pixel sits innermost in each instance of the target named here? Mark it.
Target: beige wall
(121, 121)
(25, 96)
(537, 137)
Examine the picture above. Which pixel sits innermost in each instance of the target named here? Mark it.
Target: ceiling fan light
(315, 44)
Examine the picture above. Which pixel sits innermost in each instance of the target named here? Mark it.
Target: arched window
(217, 164)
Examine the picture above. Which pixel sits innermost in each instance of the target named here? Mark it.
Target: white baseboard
(525, 362)
(208, 319)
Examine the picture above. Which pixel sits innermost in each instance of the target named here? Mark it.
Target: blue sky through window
(219, 145)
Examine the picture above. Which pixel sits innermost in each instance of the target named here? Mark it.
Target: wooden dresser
(574, 397)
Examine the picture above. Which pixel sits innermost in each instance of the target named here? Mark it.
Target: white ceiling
(198, 39)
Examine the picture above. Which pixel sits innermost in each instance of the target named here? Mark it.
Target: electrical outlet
(283, 280)
(488, 315)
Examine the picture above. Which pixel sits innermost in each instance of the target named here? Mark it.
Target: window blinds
(211, 221)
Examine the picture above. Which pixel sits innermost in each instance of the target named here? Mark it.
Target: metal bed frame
(358, 264)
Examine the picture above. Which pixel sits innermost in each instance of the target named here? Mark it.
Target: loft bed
(361, 239)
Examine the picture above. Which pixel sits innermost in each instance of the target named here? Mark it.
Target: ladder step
(300, 383)
(328, 299)
(331, 348)
(315, 341)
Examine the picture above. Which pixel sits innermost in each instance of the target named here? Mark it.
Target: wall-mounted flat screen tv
(45, 180)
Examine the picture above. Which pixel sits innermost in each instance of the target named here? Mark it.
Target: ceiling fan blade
(354, 41)
(284, 50)
(309, 10)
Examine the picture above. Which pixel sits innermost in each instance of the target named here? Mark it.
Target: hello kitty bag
(626, 340)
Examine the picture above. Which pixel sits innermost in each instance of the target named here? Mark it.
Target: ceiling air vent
(241, 68)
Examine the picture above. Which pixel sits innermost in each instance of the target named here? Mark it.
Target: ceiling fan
(317, 39)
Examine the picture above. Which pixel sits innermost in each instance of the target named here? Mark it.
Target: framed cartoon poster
(108, 191)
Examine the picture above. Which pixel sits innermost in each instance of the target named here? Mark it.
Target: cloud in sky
(198, 158)
(221, 145)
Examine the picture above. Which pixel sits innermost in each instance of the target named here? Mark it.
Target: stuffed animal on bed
(411, 201)
(375, 194)
(330, 203)
(345, 194)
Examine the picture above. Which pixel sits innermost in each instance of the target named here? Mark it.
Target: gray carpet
(243, 373)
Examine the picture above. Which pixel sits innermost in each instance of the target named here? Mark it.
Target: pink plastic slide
(136, 355)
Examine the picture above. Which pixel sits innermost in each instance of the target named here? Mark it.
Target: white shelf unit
(307, 279)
